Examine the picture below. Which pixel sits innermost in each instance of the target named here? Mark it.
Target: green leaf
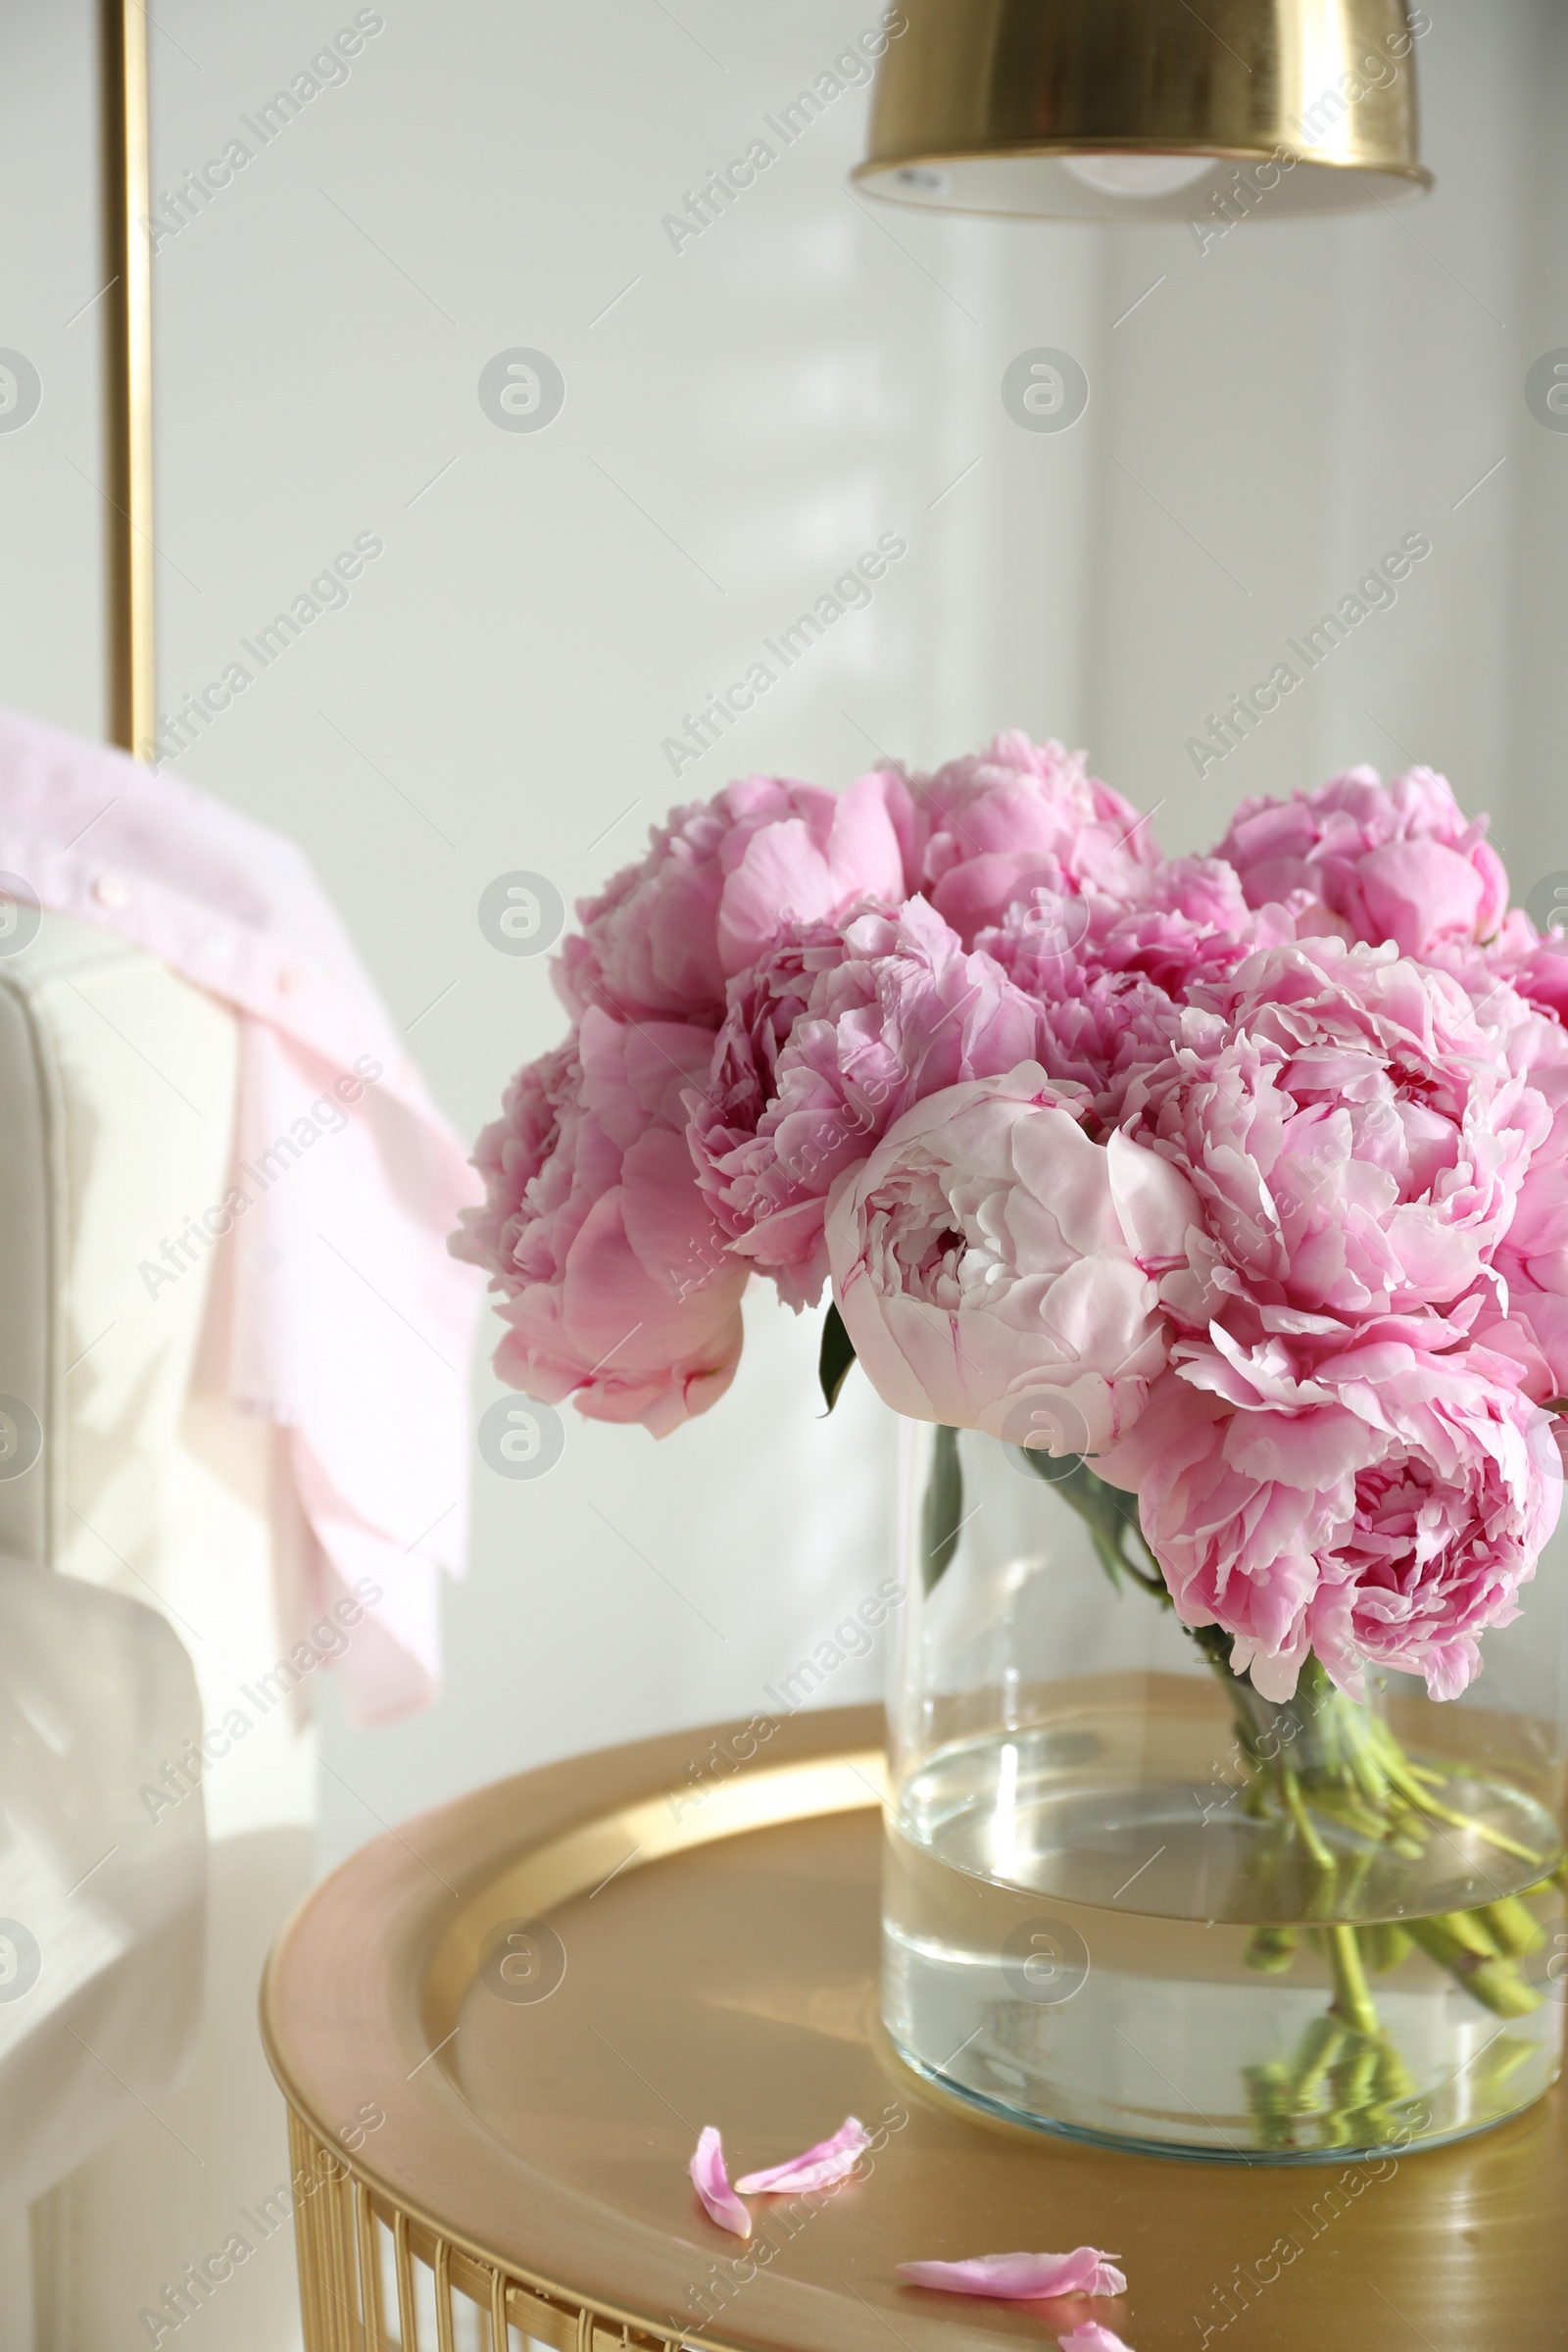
(834, 1364)
(942, 1513)
(1109, 1514)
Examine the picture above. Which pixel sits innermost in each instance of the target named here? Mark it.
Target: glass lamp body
(1103, 1918)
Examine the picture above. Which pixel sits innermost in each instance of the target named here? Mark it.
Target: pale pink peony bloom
(509, 1155)
(721, 882)
(1354, 1131)
(1526, 1317)
(988, 1254)
(1020, 2277)
(1021, 817)
(1110, 982)
(1385, 1506)
(1512, 985)
(1370, 1144)
(1533, 1264)
(819, 2167)
(618, 1288)
(1189, 922)
(1395, 861)
(1106, 1036)
(712, 2183)
(760, 1206)
(800, 1091)
(1536, 969)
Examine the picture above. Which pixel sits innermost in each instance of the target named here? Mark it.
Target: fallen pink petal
(819, 2168)
(1091, 2338)
(712, 2183)
(1023, 2277)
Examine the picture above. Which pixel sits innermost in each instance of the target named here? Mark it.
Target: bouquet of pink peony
(1233, 1189)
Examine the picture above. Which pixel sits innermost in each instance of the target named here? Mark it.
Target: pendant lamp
(1146, 110)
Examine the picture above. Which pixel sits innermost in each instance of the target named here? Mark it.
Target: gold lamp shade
(1137, 110)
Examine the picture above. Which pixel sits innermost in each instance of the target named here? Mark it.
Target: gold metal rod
(499, 2341)
(336, 2196)
(336, 2259)
(443, 2296)
(329, 2235)
(408, 2318)
(302, 2155)
(128, 364)
(369, 2270)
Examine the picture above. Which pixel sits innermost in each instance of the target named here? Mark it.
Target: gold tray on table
(499, 2029)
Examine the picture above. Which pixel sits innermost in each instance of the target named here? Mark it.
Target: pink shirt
(343, 1319)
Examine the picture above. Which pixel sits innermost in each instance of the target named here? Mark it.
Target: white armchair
(118, 1088)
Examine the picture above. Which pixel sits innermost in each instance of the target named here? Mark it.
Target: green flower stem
(1393, 2080)
(1353, 2000)
(1324, 1770)
(1291, 1791)
(1496, 1983)
(1350, 1768)
(1409, 1787)
(1355, 2076)
(1320, 2045)
(1384, 1945)
(1513, 1928)
(1271, 1950)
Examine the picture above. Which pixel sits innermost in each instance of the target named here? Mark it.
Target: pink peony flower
(1398, 862)
(988, 1255)
(1111, 997)
(801, 1090)
(1248, 1174)
(619, 1290)
(1536, 969)
(1105, 1035)
(1519, 986)
(1533, 1260)
(1386, 1504)
(721, 882)
(1364, 1137)
(509, 1155)
(1021, 817)
(1354, 1132)
(1521, 979)
(1189, 922)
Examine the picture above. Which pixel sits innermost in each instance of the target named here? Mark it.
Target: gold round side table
(499, 2029)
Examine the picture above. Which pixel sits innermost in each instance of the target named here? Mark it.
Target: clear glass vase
(1128, 1899)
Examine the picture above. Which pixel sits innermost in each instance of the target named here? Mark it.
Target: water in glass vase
(1140, 1905)
(1087, 1927)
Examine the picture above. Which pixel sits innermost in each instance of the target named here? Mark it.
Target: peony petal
(1020, 2277)
(1091, 2338)
(819, 2168)
(712, 2183)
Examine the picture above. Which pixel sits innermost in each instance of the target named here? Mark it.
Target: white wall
(741, 418)
(1300, 395)
(54, 468)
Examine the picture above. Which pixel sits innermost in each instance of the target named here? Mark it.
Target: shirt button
(290, 980)
(110, 891)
